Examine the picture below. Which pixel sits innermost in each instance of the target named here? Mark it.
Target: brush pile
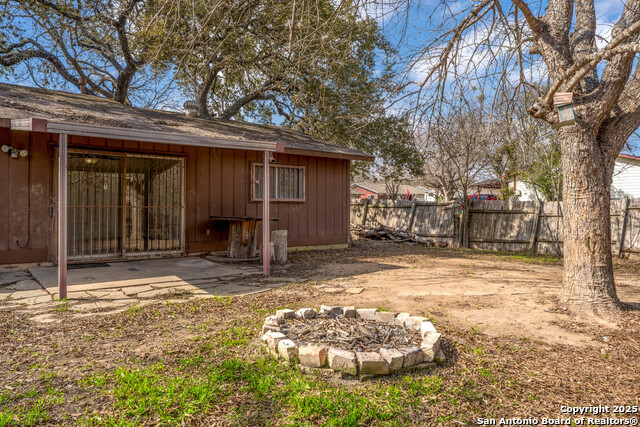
(382, 232)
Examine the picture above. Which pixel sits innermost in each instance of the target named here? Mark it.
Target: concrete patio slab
(114, 287)
(166, 272)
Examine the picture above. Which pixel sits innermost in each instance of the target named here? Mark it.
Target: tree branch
(259, 94)
(533, 22)
(10, 57)
(583, 39)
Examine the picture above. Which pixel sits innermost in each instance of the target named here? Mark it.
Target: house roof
(629, 156)
(379, 187)
(20, 102)
(488, 183)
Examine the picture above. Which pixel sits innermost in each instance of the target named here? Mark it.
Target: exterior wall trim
(93, 131)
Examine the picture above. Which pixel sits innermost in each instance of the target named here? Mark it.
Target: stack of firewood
(382, 232)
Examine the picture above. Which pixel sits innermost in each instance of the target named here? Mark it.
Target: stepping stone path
(314, 357)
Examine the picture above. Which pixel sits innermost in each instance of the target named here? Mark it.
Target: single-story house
(145, 183)
(379, 190)
(626, 177)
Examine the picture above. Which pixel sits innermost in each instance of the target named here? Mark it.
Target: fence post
(623, 226)
(464, 224)
(534, 229)
(365, 211)
(412, 216)
(461, 229)
(453, 225)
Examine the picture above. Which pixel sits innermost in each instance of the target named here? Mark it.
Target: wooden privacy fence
(436, 221)
(492, 225)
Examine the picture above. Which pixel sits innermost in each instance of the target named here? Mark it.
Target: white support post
(62, 217)
(266, 223)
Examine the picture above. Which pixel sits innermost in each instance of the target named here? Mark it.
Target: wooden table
(243, 235)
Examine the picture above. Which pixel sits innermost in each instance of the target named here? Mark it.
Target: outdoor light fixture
(563, 101)
(91, 160)
(14, 152)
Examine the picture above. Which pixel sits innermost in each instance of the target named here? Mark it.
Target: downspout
(266, 221)
(62, 217)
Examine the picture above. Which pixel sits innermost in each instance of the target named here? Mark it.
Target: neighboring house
(625, 182)
(145, 183)
(626, 177)
(378, 190)
(429, 195)
(523, 191)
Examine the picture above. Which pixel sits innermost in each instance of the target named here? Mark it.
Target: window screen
(287, 182)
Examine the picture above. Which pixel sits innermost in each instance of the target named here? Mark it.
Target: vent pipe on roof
(82, 85)
(191, 108)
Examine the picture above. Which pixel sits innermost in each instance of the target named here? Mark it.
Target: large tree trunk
(588, 269)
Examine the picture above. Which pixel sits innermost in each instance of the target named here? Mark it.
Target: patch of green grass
(47, 375)
(31, 413)
(134, 310)
(159, 395)
(36, 414)
(196, 360)
(98, 380)
(234, 336)
(224, 301)
(478, 350)
(306, 400)
(7, 418)
(155, 393)
(64, 306)
(488, 374)
(4, 398)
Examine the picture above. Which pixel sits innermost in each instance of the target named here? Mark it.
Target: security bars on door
(124, 205)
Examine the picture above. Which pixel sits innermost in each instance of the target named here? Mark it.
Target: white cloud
(611, 8)
(603, 33)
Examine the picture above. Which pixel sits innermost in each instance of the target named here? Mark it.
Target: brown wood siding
(17, 200)
(217, 182)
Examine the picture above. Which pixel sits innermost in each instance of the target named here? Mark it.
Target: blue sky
(409, 30)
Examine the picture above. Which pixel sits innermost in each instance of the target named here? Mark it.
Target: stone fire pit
(353, 342)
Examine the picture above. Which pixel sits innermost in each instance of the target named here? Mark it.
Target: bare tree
(392, 188)
(490, 44)
(456, 147)
(526, 147)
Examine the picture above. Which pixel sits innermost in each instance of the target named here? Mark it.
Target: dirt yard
(498, 294)
(511, 350)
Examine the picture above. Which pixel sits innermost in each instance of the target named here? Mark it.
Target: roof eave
(629, 156)
(131, 134)
(330, 154)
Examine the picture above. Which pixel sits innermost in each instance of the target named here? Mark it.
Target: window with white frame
(287, 182)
